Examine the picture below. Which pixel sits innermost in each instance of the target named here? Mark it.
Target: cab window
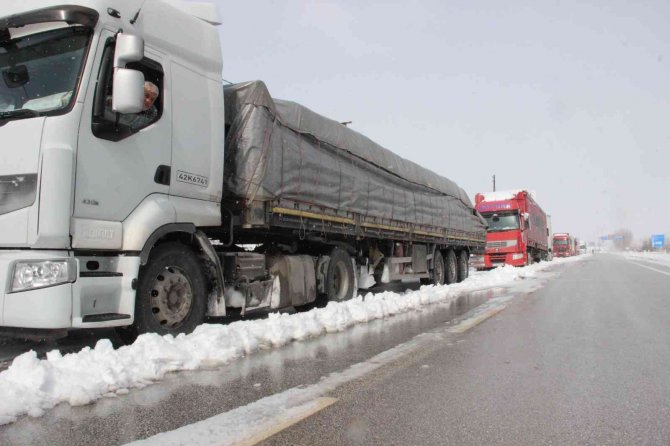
(107, 124)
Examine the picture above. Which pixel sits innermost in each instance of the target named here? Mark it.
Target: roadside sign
(658, 241)
(618, 237)
(604, 238)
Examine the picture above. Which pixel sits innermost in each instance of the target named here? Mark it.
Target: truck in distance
(564, 245)
(139, 223)
(517, 231)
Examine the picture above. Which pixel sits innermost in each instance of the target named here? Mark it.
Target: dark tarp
(278, 149)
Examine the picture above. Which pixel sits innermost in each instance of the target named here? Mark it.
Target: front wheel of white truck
(171, 293)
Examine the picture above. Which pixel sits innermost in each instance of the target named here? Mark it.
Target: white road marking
(649, 267)
(288, 419)
(274, 413)
(477, 319)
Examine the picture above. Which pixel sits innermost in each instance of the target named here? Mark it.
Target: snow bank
(661, 258)
(31, 385)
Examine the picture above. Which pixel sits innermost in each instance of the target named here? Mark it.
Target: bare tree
(626, 240)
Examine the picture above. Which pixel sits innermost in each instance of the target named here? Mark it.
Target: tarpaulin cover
(278, 149)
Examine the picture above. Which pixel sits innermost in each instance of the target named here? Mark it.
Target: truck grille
(500, 244)
(497, 258)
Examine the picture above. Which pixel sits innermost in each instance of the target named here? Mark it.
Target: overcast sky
(569, 99)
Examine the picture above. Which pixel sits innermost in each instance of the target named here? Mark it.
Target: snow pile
(31, 385)
(658, 257)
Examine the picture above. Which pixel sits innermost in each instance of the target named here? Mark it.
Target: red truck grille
(498, 244)
(495, 258)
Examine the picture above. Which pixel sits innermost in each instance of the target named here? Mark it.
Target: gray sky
(570, 99)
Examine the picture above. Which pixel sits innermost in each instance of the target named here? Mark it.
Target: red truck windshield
(501, 222)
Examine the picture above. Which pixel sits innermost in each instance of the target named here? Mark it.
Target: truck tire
(451, 267)
(438, 271)
(339, 276)
(463, 265)
(530, 257)
(171, 293)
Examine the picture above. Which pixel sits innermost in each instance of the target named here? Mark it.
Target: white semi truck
(104, 224)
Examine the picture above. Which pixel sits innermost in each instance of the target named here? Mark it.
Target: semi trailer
(224, 198)
(517, 231)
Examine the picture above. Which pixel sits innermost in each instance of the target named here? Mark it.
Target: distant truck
(581, 247)
(143, 226)
(564, 245)
(517, 228)
(550, 240)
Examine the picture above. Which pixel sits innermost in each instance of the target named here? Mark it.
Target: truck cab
(562, 245)
(82, 195)
(517, 229)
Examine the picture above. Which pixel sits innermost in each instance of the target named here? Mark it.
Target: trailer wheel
(463, 266)
(438, 271)
(340, 276)
(171, 293)
(451, 267)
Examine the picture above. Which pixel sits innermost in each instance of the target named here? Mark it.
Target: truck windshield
(502, 222)
(39, 73)
(560, 242)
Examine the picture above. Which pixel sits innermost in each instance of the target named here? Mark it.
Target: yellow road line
(467, 324)
(303, 411)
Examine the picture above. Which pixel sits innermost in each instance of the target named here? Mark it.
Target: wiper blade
(19, 114)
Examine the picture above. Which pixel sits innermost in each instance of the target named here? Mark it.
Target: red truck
(517, 231)
(564, 245)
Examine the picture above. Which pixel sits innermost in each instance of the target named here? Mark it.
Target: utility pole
(494, 183)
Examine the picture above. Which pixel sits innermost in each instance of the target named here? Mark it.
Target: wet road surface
(584, 360)
(187, 397)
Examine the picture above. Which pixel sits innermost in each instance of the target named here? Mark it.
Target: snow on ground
(659, 257)
(31, 385)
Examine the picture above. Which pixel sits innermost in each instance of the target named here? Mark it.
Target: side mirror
(128, 90)
(129, 48)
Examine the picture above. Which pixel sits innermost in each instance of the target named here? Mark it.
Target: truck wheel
(340, 276)
(171, 293)
(463, 266)
(437, 273)
(451, 267)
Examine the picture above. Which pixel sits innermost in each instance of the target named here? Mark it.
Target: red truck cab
(517, 231)
(563, 245)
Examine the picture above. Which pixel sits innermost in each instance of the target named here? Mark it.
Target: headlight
(30, 275)
(17, 192)
(517, 256)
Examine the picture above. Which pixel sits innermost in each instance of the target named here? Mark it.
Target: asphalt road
(187, 397)
(584, 360)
